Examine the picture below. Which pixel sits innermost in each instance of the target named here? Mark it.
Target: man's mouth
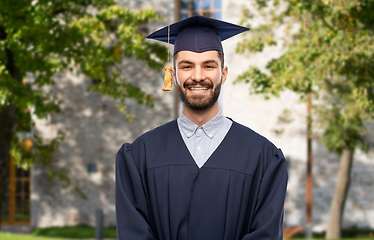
(198, 89)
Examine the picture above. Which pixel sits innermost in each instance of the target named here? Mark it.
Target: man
(202, 176)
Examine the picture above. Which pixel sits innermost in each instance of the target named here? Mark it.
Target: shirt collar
(210, 128)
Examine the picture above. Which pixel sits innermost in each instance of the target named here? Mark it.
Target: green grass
(10, 236)
(350, 233)
(80, 232)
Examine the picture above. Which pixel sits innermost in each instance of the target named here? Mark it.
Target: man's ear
(225, 72)
(173, 73)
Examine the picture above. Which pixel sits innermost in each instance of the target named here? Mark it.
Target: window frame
(12, 195)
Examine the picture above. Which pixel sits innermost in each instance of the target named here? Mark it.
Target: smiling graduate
(202, 176)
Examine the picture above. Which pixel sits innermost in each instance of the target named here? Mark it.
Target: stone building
(94, 131)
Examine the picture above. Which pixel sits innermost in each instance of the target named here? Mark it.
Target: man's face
(199, 77)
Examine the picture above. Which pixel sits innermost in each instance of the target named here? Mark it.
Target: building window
(207, 8)
(16, 202)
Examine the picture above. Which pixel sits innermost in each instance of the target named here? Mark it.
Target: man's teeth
(196, 89)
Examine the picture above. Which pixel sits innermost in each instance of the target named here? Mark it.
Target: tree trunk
(7, 120)
(341, 189)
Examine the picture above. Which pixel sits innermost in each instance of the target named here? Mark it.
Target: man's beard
(196, 102)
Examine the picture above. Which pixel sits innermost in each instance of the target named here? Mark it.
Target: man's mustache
(203, 83)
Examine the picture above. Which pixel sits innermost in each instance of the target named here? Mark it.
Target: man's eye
(185, 67)
(209, 66)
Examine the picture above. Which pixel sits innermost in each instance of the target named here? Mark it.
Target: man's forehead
(196, 56)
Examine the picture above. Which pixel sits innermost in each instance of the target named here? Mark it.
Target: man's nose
(198, 74)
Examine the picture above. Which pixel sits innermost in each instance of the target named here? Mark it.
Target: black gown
(237, 194)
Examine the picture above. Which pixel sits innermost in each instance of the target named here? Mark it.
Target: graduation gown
(237, 194)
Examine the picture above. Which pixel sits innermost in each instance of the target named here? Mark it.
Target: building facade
(94, 131)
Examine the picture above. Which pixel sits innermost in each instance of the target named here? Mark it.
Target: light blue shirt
(203, 141)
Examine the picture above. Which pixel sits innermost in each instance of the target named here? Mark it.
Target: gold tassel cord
(167, 78)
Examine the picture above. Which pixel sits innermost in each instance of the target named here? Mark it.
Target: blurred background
(78, 79)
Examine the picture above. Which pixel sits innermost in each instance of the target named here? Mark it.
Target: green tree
(44, 37)
(329, 50)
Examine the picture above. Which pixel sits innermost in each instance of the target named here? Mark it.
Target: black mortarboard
(197, 34)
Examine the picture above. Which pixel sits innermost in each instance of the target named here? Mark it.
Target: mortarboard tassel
(167, 78)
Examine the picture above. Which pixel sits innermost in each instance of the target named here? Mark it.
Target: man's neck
(201, 117)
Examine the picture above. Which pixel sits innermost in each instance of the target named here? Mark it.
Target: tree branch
(10, 60)
(58, 11)
(3, 34)
(327, 24)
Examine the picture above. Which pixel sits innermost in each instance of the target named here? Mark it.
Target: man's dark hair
(221, 57)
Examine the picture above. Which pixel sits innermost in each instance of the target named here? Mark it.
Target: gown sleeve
(267, 222)
(132, 215)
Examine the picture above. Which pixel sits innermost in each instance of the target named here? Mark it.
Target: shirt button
(198, 148)
(200, 130)
(210, 135)
(189, 134)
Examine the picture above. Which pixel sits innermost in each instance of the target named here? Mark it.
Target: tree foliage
(40, 38)
(329, 55)
(328, 52)
(45, 37)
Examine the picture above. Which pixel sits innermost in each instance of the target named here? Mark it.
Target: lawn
(77, 232)
(60, 233)
(9, 236)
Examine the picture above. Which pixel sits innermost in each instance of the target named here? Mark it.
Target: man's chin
(199, 105)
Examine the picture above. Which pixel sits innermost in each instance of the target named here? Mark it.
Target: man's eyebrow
(205, 62)
(210, 61)
(184, 62)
